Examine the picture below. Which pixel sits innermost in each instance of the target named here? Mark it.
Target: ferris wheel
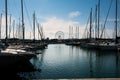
(59, 35)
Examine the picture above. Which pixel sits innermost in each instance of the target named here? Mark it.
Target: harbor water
(60, 61)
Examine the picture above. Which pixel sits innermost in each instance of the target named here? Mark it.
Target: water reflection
(105, 64)
(60, 61)
(37, 61)
(12, 72)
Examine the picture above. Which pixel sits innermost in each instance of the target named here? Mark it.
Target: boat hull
(8, 59)
(99, 46)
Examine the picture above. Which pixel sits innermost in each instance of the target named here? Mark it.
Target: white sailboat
(14, 55)
(112, 45)
(104, 45)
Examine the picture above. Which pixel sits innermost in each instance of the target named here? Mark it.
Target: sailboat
(12, 56)
(40, 45)
(113, 46)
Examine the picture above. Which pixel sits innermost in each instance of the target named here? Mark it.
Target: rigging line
(106, 35)
(86, 27)
(39, 28)
(37, 22)
(94, 23)
(27, 15)
(106, 19)
(43, 32)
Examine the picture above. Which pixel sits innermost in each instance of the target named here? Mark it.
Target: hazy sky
(56, 15)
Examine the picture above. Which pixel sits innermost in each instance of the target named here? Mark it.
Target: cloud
(54, 24)
(74, 14)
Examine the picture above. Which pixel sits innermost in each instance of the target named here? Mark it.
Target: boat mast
(13, 28)
(69, 32)
(96, 22)
(90, 22)
(78, 32)
(19, 30)
(0, 24)
(34, 25)
(10, 26)
(23, 28)
(98, 17)
(6, 12)
(116, 21)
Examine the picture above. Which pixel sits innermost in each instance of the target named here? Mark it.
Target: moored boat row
(110, 47)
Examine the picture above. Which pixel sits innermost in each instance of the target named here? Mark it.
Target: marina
(60, 61)
(60, 45)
